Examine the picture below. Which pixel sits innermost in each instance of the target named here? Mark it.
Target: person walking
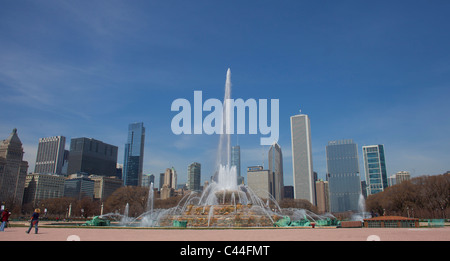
(34, 221)
(4, 219)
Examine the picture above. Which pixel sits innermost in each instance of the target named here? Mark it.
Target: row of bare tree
(420, 197)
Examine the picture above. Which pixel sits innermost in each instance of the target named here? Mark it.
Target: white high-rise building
(260, 181)
(50, 155)
(170, 178)
(402, 176)
(302, 164)
(398, 178)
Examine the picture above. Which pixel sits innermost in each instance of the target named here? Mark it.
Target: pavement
(17, 233)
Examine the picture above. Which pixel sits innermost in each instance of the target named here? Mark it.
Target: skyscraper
(79, 186)
(236, 161)
(147, 179)
(302, 164)
(276, 169)
(161, 180)
(260, 181)
(375, 168)
(402, 176)
(343, 175)
(323, 199)
(134, 155)
(13, 170)
(170, 183)
(194, 176)
(92, 157)
(39, 186)
(50, 155)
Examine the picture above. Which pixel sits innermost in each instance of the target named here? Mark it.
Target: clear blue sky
(377, 72)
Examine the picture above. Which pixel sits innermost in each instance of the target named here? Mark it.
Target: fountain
(223, 203)
(362, 213)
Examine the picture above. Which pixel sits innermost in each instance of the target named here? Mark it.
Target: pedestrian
(34, 221)
(4, 219)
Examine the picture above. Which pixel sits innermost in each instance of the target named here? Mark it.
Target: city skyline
(379, 76)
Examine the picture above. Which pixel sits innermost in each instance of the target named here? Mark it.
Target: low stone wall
(348, 224)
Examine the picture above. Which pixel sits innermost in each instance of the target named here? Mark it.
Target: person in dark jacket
(34, 221)
(4, 219)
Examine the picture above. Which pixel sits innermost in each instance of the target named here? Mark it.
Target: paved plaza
(256, 234)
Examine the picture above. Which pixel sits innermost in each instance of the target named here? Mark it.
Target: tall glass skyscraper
(302, 164)
(134, 155)
(276, 169)
(343, 176)
(236, 161)
(375, 168)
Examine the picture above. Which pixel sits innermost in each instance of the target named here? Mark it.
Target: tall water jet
(127, 209)
(150, 202)
(125, 219)
(362, 214)
(226, 175)
(224, 150)
(361, 204)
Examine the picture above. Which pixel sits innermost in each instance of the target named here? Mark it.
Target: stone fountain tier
(222, 215)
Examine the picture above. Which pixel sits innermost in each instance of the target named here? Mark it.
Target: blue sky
(377, 72)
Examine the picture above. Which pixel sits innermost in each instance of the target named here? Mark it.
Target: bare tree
(423, 197)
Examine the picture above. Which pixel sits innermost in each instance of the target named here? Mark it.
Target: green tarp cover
(96, 221)
(177, 223)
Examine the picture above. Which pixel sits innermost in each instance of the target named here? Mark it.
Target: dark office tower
(133, 161)
(344, 180)
(276, 168)
(50, 155)
(194, 176)
(236, 161)
(92, 157)
(161, 180)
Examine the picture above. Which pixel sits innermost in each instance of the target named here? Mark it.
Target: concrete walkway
(258, 234)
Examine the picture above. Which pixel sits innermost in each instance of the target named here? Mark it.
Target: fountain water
(224, 149)
(223, 202)
(150, 202)
(124, 220)
(362, 214)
